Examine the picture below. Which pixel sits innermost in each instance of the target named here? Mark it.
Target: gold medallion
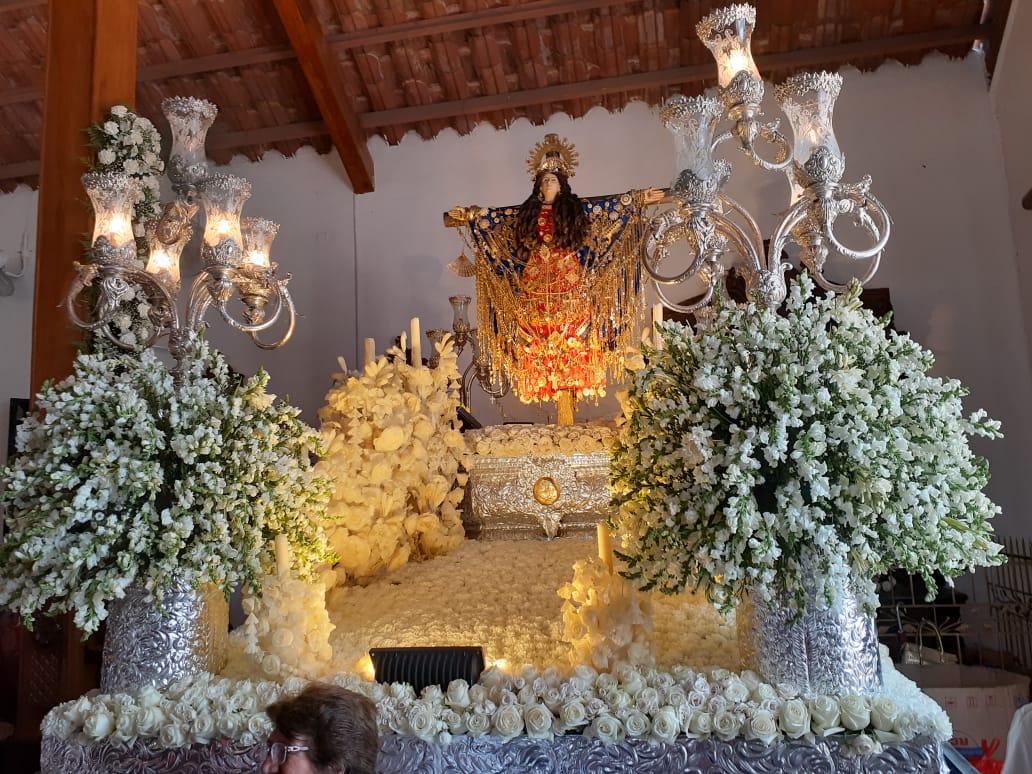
(546, 491)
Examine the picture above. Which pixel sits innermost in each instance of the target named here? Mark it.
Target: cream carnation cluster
(129, 143)
(625, 703)
(606, 619)
(541, 440)
(128, 477)
(395, 451)
(767, 452)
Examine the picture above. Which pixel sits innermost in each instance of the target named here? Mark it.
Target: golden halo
(553, 154)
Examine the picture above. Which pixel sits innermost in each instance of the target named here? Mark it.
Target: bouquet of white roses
(766, 449)
(127, 477)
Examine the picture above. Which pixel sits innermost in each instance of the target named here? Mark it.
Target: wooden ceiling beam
(322, 71)
(20, 5)
(455, 22)
(269, 134)
(812, 57)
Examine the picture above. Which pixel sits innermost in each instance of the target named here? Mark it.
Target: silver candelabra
(719, 232)
(496, 386)
(234, 252)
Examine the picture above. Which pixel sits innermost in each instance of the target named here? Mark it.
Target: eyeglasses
(278, 751)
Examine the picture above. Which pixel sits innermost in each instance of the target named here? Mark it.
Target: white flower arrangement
(606, 619)
(395, 450)
(767, 448)
(126, 477)
(627, 702)
(129, 143)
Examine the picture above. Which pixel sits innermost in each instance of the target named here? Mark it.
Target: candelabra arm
(686, 308)
(285, 302)
(115, 284)
(747, 129)
(856, 200)
(749, 241)
(670, 227)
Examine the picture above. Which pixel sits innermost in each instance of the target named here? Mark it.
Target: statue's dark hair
(569, 220)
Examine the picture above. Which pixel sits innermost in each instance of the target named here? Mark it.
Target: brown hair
(569, 221)
(337, 724)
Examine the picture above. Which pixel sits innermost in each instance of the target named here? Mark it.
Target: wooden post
(91, 66)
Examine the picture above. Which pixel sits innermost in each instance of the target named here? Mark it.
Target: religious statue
(558, 278)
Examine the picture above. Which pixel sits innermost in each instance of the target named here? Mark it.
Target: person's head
(569, 221)
(323, 730)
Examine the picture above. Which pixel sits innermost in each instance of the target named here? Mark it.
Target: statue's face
(549, 187)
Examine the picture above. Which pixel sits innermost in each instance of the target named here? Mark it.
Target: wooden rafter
(995, 18)
(455, 22)
(322, 72)
(811, 57)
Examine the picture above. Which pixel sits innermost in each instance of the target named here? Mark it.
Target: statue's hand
(653, 195)
(464, 214)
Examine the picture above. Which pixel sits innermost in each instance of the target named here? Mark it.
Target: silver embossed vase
(823, 651)
(144, 644)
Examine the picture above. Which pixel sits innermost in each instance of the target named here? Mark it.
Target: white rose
(539, 721)
(111, 128)
(618, 700)
(173, 734)
(676, 696)
(735, 690)
(259, 725)
(458, 694)
(750, 678)
(230, 724)
(726, 725)
(119, 110)
(854, 712)
(700, 724)
(884, 712)
(204, 727)
(824, 714)
(454, 721)
(477, 694)
(106, 156)
(432, 694)
(864, 745)
(573, 714)
(605, 682)
(794, 718)
(125, 727)
(508, 721)
(477, 724)
(632, 682)
(99, 724)
(149, 720)
(763, 692)
(648, 700)
(636, 723)
(421, 721)
(666, 725)
(606, 729)
(761, 725)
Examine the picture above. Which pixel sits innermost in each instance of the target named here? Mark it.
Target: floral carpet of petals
(502, 596)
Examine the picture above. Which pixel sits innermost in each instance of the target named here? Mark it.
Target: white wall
(363, 266)
(17, 217)
(1011, 101)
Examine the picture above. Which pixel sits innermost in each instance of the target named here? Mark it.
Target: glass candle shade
(223, 197)
(693, 121)
(189, 119)
(258, 234)
(460, 322)
(163, 261)
(808, 101)
(727, 33)
(112, 195)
